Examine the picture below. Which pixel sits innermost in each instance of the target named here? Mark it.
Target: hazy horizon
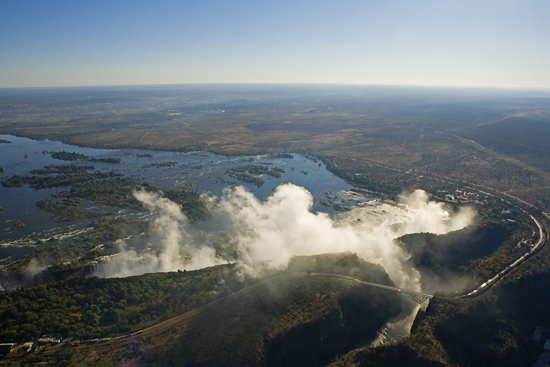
(282, 84)
(493, 44)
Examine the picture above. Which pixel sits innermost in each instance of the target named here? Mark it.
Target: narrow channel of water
(399, 326)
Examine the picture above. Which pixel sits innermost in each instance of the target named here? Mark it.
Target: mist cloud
(283, 226)
(171, 249)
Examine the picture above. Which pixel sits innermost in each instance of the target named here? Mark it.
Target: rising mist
(283, 226)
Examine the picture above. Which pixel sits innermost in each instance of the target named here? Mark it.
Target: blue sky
(486, 43)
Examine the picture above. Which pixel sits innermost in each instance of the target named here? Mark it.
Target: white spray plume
(33, 268)
(283, 226)
(427, 215)
(171, 250)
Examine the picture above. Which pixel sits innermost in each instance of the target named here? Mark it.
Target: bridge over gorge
(418, 297)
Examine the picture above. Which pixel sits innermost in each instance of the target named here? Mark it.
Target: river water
(398, 327)
(202, 172)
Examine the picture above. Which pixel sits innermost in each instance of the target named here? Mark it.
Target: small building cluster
(461, 196)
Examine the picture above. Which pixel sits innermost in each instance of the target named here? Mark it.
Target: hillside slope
(289, 318)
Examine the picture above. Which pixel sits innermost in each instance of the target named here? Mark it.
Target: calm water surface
(201, 171)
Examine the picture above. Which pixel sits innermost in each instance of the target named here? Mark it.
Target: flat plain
(483, 148)
(492, 138)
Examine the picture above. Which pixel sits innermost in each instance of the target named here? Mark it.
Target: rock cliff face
(443, 260)
(288, 318)
(354, 317)
(291, 320)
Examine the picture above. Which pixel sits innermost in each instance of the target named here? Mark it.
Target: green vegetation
(93, 307)
(38, 182)
(502, 323)
(2, 141)
(373, 178)
(496, 141)
(191, 203)
(280, 156)
(158, 165)
(66, 210)
(287, 319)
(339, 208)
(37, 260)
(117, 192)
(58, 260)
(455, 250)
(300, 322)
(382, 140)
(119, 227)
(247, 178)
(477, 252)
(63, 169)
(492, 329)
(105, 160)
(93, 186)
(257, 170)
(346, 263)
(72, 156)
(248, 173)
(294, 320)
(522, 137)
(68, 156)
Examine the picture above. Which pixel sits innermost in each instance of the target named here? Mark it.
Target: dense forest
(279, 313)
(93, 307)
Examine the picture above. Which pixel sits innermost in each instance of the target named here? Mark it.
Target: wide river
(202, 172)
